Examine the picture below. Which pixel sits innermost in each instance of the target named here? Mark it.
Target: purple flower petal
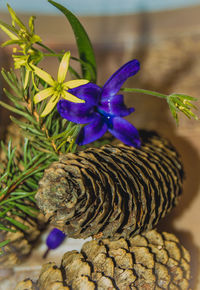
(125, 131)
(80, 113)
(92, 131)
(114, 105)
(89, 92)
(55, 238)
(115, 82)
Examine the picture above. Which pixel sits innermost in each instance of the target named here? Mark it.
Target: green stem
(59, 56)
(54, 54)
(142, 91)
(46, 47)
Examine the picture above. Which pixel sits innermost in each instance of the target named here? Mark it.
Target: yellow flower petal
(31, 23)
(9, 33)
(50, 106)
(43, 75)
(75, 83)
(63, 67)
(15, 18)
(26, 79)
(69, 97)
(43, 95)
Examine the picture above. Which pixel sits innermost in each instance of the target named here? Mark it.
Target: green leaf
(27, 209)
(14, 99)
(11, 82)
(8, 27)
(84, 45)
(17, 224)
(7, 229)
(4, 243)
(12, 109)
(20, 195)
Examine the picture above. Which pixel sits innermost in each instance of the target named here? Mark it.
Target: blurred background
(101, 7)
(165, 37)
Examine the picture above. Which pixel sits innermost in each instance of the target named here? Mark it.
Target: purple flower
(55, 238)
(103, 109)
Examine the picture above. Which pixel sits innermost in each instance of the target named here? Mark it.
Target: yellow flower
(58, 89)
(24, 37)
(182, 103)
(33, 57)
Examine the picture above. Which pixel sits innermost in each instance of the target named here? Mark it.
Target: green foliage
(84, 45)
(20, 174)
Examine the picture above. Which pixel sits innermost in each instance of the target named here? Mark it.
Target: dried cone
(21, 242)
(147, 261)
(114, 191)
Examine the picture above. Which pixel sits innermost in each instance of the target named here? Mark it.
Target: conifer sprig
(20, 174)
(45, 139)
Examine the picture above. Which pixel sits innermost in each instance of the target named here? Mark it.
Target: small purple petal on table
(55, 238)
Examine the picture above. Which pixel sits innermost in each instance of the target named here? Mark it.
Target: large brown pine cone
(114, 191)
(147, 261)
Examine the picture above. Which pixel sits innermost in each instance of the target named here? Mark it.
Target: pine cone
(114, 191)
(21, 242)
(147, 261)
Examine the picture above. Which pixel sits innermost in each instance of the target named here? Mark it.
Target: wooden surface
(168, 47)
